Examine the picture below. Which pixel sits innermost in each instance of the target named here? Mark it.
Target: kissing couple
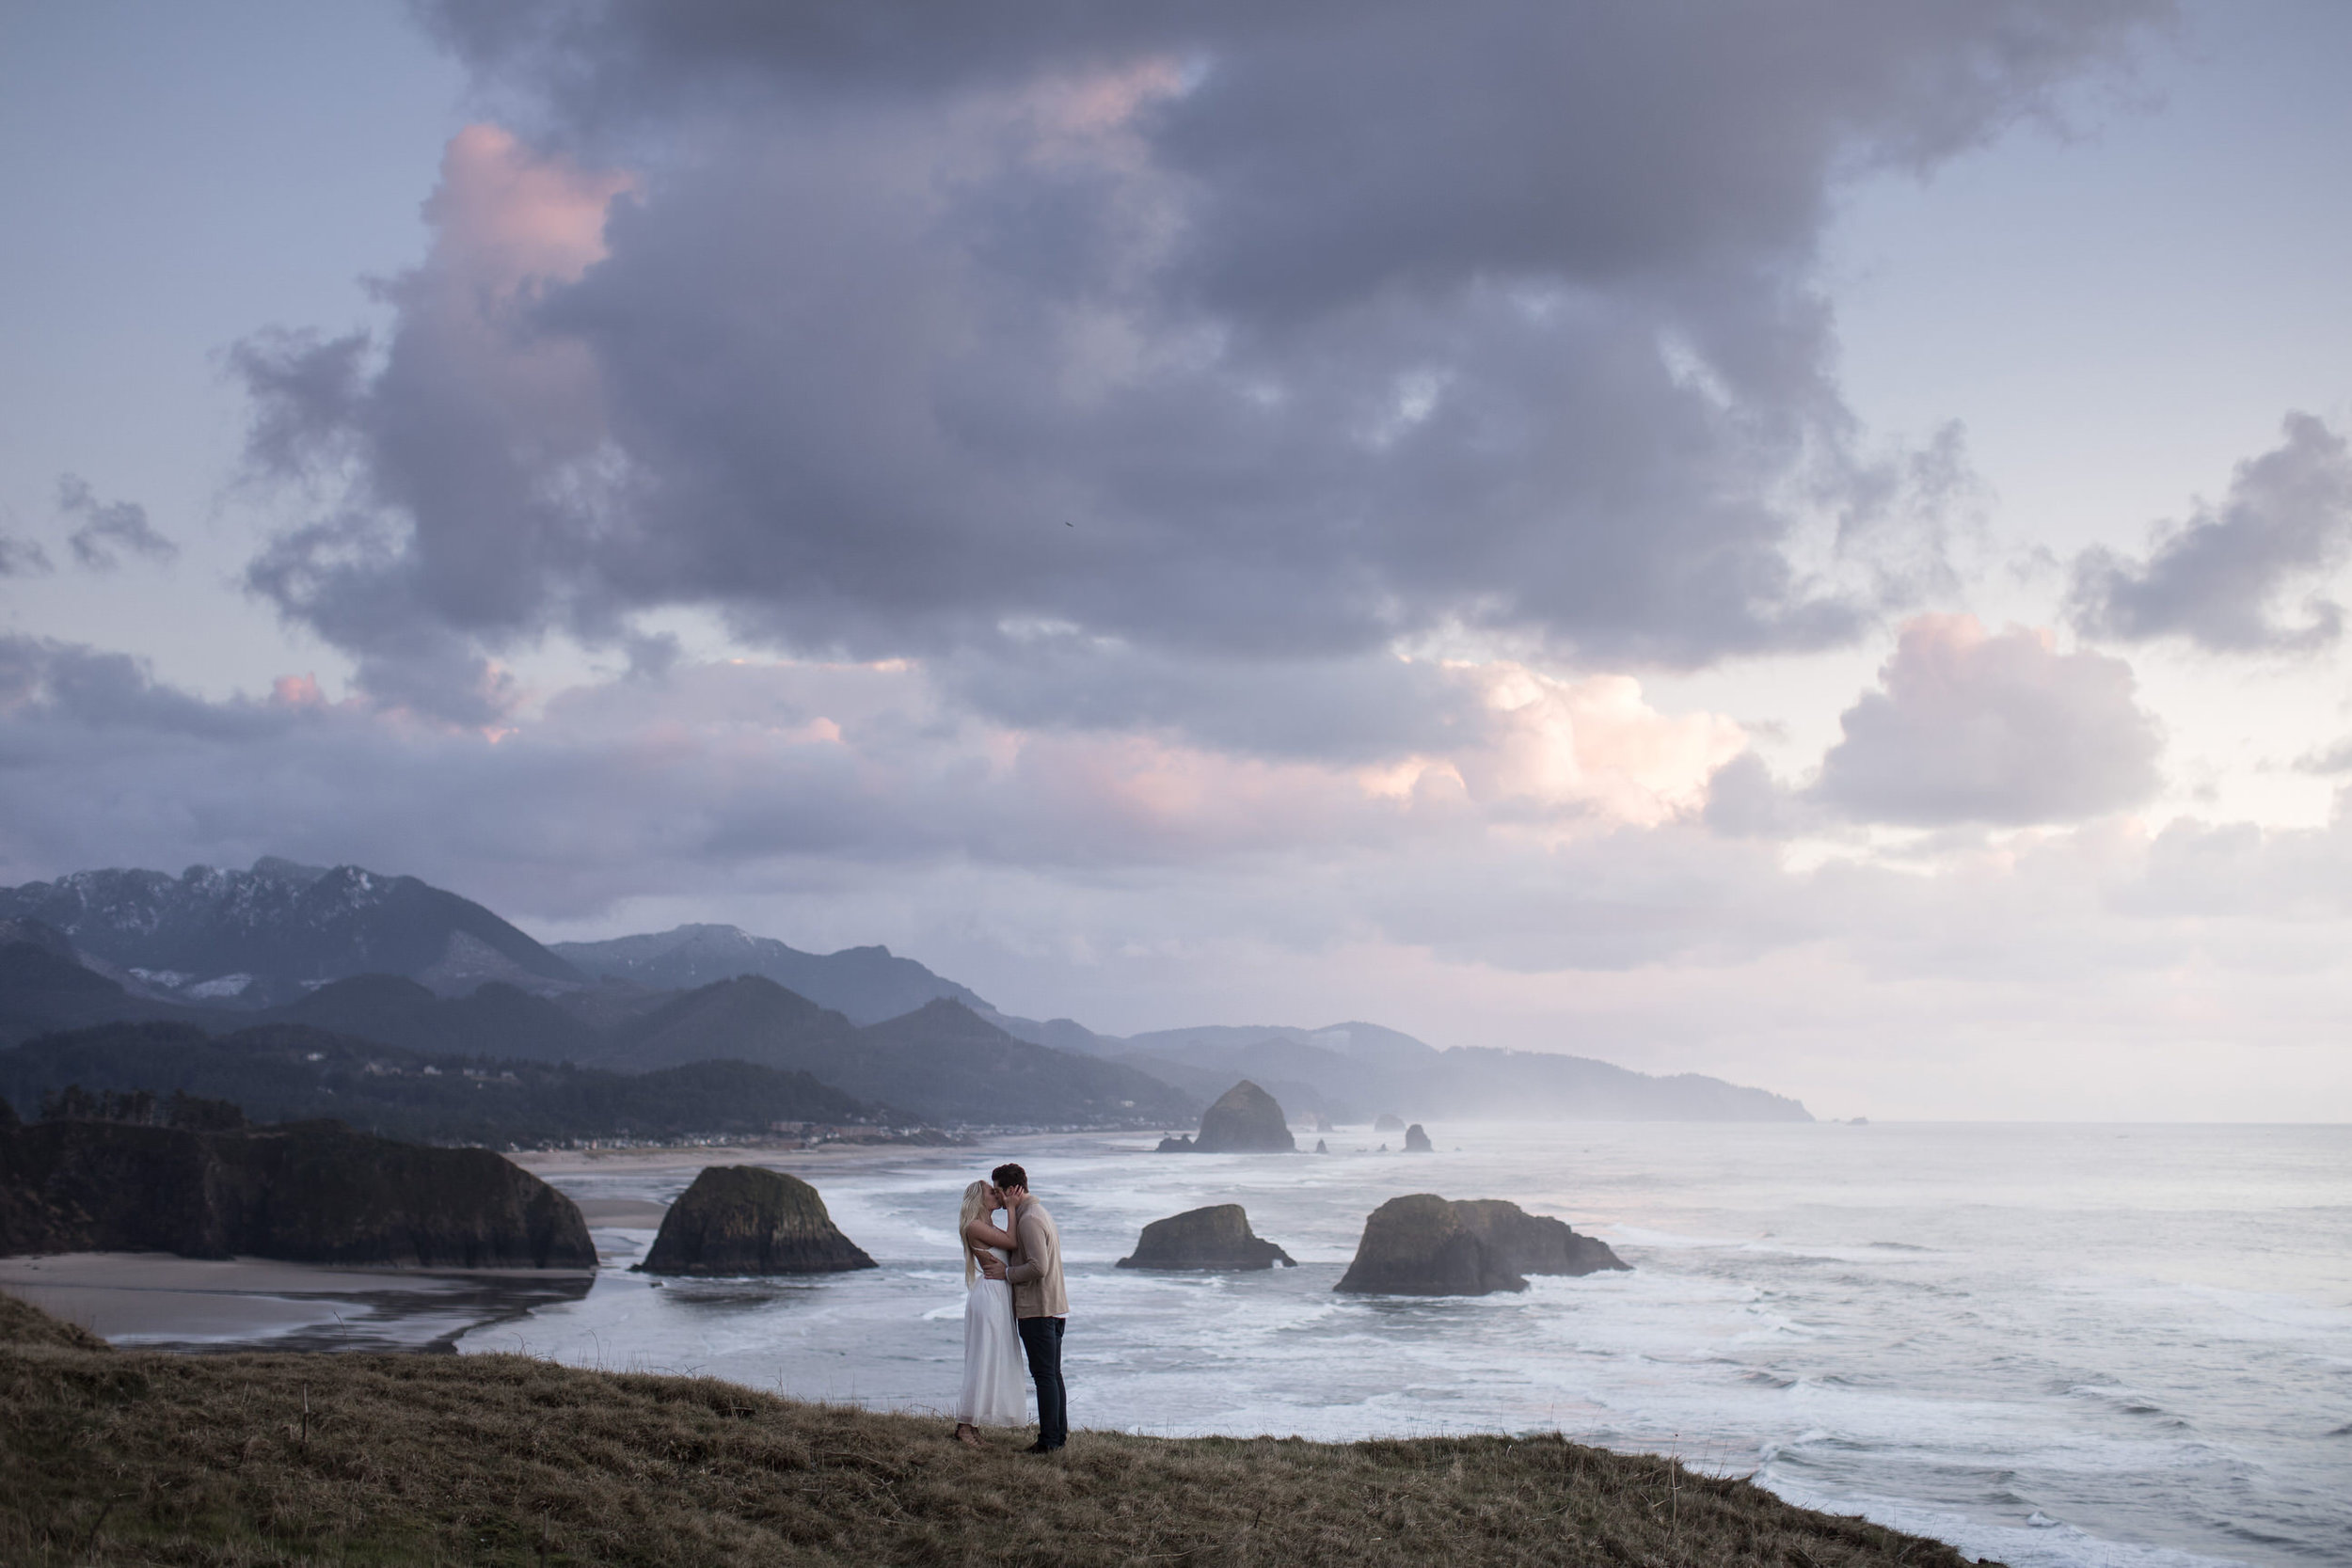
(1013, 1302)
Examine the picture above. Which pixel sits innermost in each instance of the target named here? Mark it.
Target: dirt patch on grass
(252, 1460)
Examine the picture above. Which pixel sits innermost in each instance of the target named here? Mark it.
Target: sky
(1802, 542)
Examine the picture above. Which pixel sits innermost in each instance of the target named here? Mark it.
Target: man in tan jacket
(1041, 1302)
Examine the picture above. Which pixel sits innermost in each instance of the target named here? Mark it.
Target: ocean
(2115, 1345)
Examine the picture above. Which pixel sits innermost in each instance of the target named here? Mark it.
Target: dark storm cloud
(2222, 580)
(1277, 332)
(103, 528)
(1991, 729)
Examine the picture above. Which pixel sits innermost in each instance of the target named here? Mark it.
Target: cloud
(107, 527)
(22, 558)
(1272, 336)
(1744, 800)
(2219, 580)
(1504, 897)
(716, 771)
(2003, 729)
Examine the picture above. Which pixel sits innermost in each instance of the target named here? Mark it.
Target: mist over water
(2046, 1344)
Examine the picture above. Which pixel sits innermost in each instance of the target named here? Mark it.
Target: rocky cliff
(1217, 1237)
(1424, 1245)
(308, 1192)
(1244, 1120)
(743, 1220)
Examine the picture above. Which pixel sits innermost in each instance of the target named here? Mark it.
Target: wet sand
(154, 1300)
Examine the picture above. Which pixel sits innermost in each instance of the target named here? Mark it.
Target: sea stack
(1389, 1123)
(1535, 1244)
(1244, 1120)
(1214, 1238)
(1422, 1246)
(1416, 1141)
(744, 1220)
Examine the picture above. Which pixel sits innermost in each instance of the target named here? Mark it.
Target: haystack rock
(1422, 1246)
(1416, 1141)
(743, 1220)
(1245, 1120)
(1217, 1237)
(1389, 1122)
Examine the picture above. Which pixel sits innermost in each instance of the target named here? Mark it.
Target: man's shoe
(1041, 1445)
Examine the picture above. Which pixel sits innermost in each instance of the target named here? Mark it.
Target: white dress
(995, 1388)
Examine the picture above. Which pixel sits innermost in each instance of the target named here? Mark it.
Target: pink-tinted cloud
(504, 215)
(1971, 726)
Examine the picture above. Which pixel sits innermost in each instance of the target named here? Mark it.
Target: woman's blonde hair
(974, 1204)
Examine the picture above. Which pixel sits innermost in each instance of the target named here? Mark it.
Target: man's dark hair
(1010, 1176)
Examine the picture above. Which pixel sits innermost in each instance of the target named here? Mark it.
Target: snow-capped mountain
(264, 935)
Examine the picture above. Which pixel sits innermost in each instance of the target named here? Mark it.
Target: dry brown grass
(120, 1457)
(23, 1324)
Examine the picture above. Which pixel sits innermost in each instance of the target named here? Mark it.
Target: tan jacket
(1036, 1269)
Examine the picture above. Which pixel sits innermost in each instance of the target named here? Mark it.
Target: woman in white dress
(995, 1390)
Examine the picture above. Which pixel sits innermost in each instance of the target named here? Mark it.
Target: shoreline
(550, 1164)
(158, 1300)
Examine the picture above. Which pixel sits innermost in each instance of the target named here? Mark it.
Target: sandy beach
(556, 1165)
(156, 1300)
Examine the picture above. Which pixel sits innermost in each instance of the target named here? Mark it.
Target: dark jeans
(1042, 1339)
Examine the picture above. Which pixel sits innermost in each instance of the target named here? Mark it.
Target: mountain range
(393, 960)
(291, 1072)
(261, 936)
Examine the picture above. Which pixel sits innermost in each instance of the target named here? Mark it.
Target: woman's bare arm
(988, 1235)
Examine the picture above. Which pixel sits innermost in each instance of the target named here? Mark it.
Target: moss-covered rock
(1217, 1237)
(306, 1192)
(745, 1220)
(1245, 1120)
(1424, 1245)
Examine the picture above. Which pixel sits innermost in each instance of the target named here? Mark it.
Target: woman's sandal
(968, 1434)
